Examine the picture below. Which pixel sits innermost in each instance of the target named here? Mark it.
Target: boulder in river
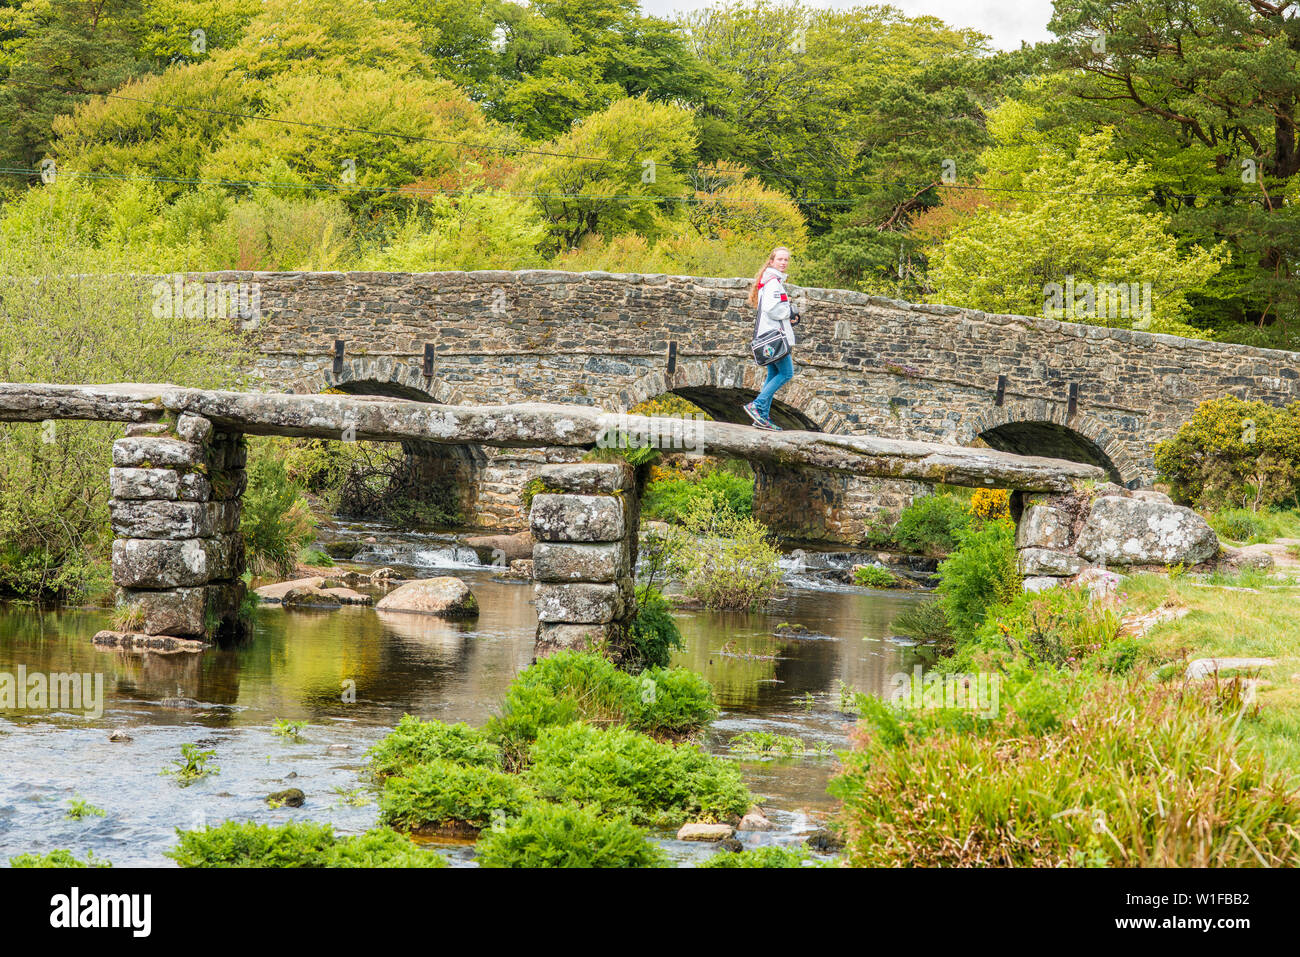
(508, 547)
(445, 597)
(698, 831)
(289, 797)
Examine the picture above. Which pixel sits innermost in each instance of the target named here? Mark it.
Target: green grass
(1244, 527)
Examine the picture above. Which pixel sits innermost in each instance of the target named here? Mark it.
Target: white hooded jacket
(774, 305)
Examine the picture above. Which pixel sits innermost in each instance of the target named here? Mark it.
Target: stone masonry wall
(864, 364)
(178, 554)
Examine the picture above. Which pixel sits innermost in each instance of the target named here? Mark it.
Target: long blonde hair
(758, 279)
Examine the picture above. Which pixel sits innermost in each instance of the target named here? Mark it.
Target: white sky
(1007, 22)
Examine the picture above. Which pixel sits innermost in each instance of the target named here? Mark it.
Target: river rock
(276, 592)
(699, 831)
(308, 598)
(825, 841)
(131, 641)
(755, 820)
(1133, 531)
(289, 797)
(445, 597)
(506, 547)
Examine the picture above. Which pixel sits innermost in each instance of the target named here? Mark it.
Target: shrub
(563, 835)
(770, 856)
(1238, 525)
(296, 844)
(931, 525)
(277, 521)
(1233, 454)
(925, 621)
(723, 559)
(990, 503)
(653, 633)
(979, 574)
(572, 686)
(623, 772)
(671, 499)
(415, 742)
(57, 859)
(873, 576)
(440, 794)
(1129, 774)
(1060, 626)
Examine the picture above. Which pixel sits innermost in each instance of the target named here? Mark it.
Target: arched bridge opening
(1051, 440)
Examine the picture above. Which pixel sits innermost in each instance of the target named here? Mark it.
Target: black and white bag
(770, 346)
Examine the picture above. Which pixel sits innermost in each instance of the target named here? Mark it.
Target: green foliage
(873, 576)
(440, 793)
(78, 808)
(926, 622)
(276, 521)
(764, 742)
(1238, 525)
(771, 855)
(671, 499)
(1055, 780)
(1234, 454)
(572, 686)
(61, 858)
(1059, 627)
(63, 319)
(563, 835)
(931, 524)
(193, 765)
(415, 742)
(653, 633)
(296, 844)
(981, 573)
(725, 560)
(288, 729)
(617, 771)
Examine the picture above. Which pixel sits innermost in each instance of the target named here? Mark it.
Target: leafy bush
(671, 499)
(769, 856)
(277, 521)
(653, 633)
(623, 772)
(724, 560)
(564, 835)
(980, 573)
(1234, 454)
(931, 525)
(57, 859)
(296, 844)
(441, 794)
(1074, 771)
(1238, 525)
(990, 503)
(572, 686)
(1060, 626)
(926, 622)
(415, 742)
(873, 576)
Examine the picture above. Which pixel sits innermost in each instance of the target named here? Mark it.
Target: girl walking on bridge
(774, 324)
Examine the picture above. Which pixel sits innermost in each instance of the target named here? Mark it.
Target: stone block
(1036, 562)
(553, 637)
(163, 563)
(1042, 526)
(151, 452)
(573, 562)
(579, 603)
(159, 519)
(589, 478)
(131, 484)
(193, 428)
(176, 611)
(577, 518)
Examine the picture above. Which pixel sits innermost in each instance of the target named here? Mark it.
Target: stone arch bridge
(865, 366)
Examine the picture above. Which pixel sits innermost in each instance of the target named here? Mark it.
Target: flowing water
(301, 666)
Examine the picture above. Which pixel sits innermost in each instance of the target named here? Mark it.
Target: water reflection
(301, 665)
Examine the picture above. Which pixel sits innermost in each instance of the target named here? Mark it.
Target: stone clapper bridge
(179, 473)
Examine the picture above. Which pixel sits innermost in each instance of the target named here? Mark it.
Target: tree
(1206, 91)
(1084, 225)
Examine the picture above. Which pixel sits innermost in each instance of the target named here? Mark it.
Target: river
(301, 665)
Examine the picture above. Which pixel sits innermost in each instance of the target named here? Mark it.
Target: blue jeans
(778, 374)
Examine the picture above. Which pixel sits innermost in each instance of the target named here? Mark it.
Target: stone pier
(178, 553)
(585, 527)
